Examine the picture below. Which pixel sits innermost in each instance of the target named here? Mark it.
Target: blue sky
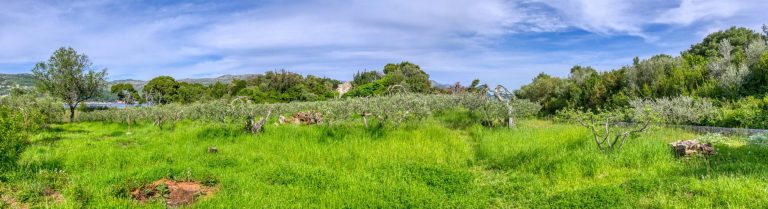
(498, 41)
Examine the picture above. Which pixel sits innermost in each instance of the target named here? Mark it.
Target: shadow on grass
(62, 130)
(47, 140)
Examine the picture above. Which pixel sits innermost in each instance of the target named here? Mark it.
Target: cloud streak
(498, 41)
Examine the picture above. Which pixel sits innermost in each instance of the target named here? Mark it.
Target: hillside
(10, 81)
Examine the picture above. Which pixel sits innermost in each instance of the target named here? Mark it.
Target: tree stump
(256, 127)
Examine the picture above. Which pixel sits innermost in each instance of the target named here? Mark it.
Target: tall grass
(443, 162)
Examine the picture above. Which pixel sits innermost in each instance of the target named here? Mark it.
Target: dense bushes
(728, 68)
(283, 86)
(406, 74)
(748, 112)
(35, 110)
(12, 141)
(23, 113)
(679, 110)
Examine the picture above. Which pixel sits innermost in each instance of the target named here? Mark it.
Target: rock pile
(690, 148)
(306, 118)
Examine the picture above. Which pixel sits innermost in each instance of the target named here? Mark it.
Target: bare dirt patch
(175, 193)
(54, 195)
(11, 202)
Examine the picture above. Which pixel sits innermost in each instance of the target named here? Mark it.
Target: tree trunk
(72, 113)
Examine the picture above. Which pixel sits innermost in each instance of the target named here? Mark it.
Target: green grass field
(440, 163)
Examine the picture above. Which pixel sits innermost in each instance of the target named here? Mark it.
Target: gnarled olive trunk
(72, 113)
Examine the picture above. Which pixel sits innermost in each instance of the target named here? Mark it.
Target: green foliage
(368, 89)
(218, 90)
(284, 86)
(747, 112)
(69, 76)
(161, 90)
(10, 82)
(390, 110)
(190, 92)
(36, 110)
(612, 129)
(540, 164)
(679, 110)
(758, 78)
(720, 75)
(405, 74)
(365, 77)
(409, 75)
(126, 93)
(546, 90)
(759, 139)
(738, 37)
(713, 138)
(12, 139)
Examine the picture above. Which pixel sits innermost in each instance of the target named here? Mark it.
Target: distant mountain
(137, 84)
(11, 81)
(439, 85)
(222, 79)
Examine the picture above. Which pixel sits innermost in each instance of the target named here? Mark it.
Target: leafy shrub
(759, 139)
(747, 112)
(12, 142)
(36, 111)
(611, 129)
(679, 110)
(712, 138)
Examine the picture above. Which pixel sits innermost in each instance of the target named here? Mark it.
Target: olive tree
(611, 129)
(69, 76)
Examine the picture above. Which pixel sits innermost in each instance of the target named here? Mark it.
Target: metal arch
(500, 92)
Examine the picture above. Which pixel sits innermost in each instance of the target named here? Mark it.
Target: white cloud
(338, 37)
(691, 11)
(632, 17)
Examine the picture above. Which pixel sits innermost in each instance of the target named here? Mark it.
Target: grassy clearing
(443, 163)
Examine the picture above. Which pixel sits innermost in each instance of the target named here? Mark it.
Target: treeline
(729, 68)
(280, 86)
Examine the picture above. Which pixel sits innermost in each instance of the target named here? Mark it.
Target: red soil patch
(175, 193)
